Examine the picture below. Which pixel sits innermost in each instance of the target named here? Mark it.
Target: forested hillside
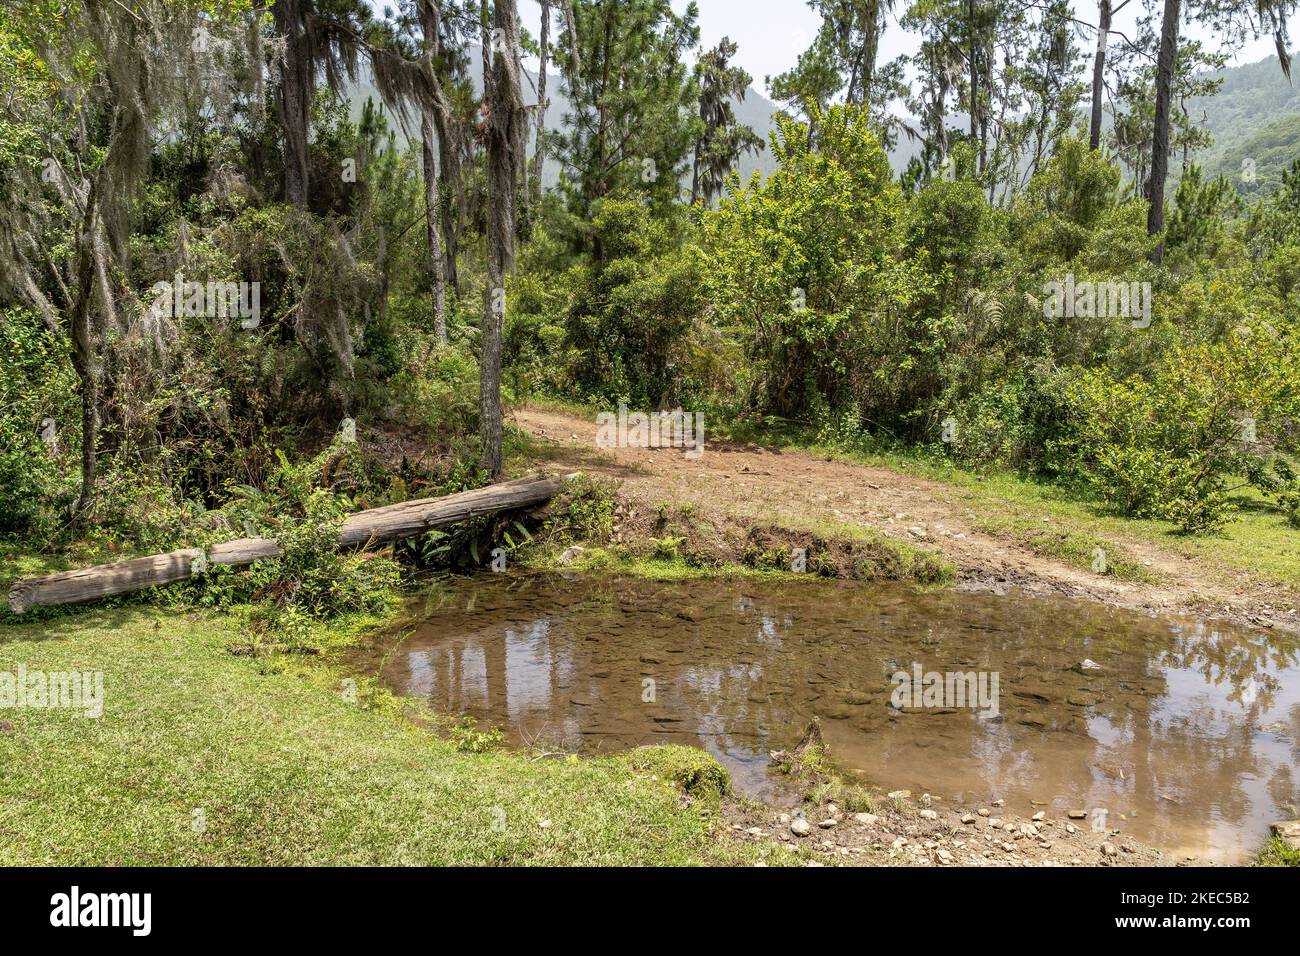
(1255, 122)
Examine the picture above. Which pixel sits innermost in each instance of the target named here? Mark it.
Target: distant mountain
(1255, 122)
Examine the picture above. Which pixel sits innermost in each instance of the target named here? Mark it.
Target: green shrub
(807, 271)
(37, 392)
(311, 580)
(1277, 853)
(469, 739)
(694, 772)
(1176, 443)
(583, 511)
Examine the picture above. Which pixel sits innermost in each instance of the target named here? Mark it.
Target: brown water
(1186, 736)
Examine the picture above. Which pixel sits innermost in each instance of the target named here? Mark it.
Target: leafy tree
(70, 46)
(1276, 220)
(805, 270)
(630, 313)
(843, 57)
(1201, 217)
(1075, 212)
(1193, 78)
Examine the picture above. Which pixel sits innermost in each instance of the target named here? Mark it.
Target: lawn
(204, 757)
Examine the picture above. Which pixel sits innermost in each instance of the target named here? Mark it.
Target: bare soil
(773, 487)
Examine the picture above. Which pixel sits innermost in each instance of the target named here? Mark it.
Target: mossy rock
(693, 771)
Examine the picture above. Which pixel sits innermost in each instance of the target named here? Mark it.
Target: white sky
(772, 33)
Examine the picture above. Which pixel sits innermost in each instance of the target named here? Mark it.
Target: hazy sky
(772, 33)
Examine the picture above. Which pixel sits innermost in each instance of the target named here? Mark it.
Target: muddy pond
(1184, 734)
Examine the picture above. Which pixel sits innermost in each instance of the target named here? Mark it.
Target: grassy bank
(1277, 853)
(282, 769)
(667, 547)
(207, 757)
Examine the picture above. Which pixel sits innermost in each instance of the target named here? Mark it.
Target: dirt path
(780, 486)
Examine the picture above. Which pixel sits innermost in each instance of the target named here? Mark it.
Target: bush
(37, 394)
(630, 310)
(469, 739)
(311, 580)
(1176, 444)
(807, 271)
(583, 511)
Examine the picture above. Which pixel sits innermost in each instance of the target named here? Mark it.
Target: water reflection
(1185, 737)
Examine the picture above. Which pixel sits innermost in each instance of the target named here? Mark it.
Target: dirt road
(778, 486)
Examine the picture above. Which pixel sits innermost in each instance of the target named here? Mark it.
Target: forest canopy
(210, 270)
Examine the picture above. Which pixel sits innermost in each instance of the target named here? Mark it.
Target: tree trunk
(600, 186)
(429, 25)
(871, 48)
(365, 529)
(507, 137)
(485, 37)
(437, 264)
(695, 174)
(1160, 133)
(571, 24)
(85, 361)
(539, 150)
(451, 203)
(1099, 74)
(974, 76)
(294, 100)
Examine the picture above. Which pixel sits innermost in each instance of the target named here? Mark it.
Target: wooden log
(87, 584)
(376, 526)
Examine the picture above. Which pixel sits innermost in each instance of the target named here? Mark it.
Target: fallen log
(376, 526)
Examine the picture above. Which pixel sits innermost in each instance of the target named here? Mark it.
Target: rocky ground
(905, 831)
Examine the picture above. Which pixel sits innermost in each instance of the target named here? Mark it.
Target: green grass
(1075, 547)
(286, 771)
(603, 560)
(1277, 853)
(1257, 541)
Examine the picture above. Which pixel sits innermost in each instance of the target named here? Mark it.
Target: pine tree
(633, 98)
(722, 140)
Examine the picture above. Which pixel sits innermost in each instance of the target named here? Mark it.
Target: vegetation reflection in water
(1184, 736)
